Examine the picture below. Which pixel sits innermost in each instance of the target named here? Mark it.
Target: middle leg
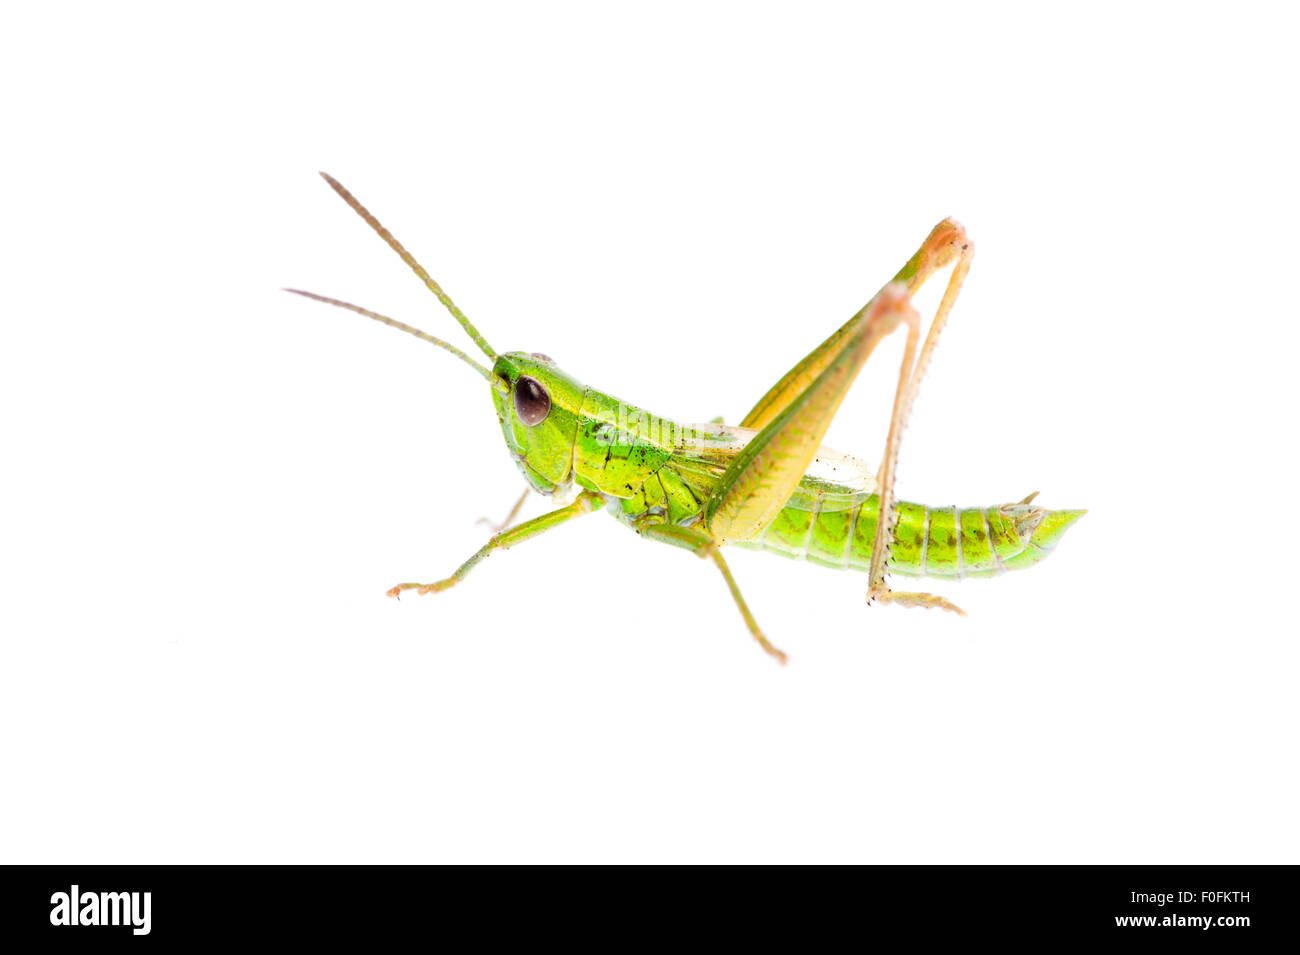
(702, 545)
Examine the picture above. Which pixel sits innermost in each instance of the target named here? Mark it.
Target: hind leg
(954, 245)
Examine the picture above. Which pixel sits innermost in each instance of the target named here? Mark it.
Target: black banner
(170, 904)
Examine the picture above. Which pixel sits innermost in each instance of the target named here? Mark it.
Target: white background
(208, 484)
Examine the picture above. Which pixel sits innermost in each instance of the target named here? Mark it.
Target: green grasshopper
(767, 484)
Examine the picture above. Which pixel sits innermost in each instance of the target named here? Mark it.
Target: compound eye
(532, 403)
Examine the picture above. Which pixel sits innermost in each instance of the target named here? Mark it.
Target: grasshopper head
(538, 410)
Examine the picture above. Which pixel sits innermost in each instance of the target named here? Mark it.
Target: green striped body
(942, 542)
(653, 470)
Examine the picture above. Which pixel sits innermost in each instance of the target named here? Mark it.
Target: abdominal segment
(944, 542)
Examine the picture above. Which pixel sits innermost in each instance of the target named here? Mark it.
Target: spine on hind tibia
(927, 541)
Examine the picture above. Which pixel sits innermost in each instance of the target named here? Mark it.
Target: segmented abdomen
(927, 541)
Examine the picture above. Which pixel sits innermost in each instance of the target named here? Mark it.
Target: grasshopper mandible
(767, 483)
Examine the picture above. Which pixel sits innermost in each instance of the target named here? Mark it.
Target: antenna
(416, 267)
(402, 326)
